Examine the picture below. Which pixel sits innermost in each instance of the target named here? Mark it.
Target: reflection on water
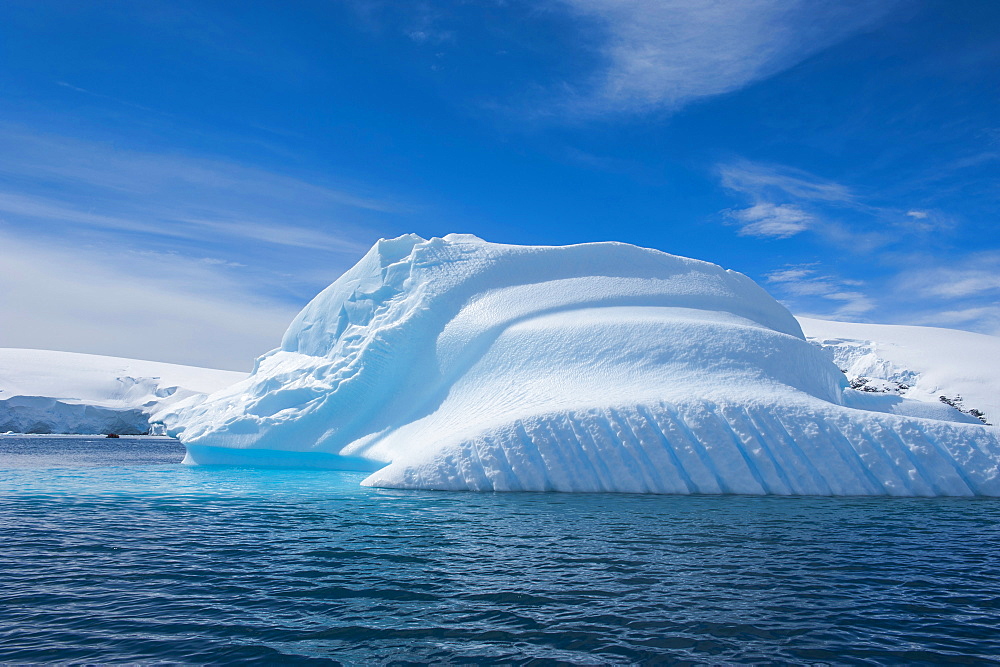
(112, 551)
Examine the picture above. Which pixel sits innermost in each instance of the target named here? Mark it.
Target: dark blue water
(110, 551)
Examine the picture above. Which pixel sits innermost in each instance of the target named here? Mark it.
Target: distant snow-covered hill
(44, 391)
(927, 362)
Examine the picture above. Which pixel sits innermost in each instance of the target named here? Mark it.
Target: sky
(177, 179)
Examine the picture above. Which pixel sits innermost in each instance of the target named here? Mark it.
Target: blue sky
(178, 178)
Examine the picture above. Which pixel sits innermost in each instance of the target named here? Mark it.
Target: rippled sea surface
(110, 551)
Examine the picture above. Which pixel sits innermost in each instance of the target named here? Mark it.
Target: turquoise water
(113, 552)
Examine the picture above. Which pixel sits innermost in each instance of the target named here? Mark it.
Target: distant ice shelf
(453, 363)
(45, 391)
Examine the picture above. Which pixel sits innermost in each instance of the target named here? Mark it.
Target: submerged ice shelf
(452, 363)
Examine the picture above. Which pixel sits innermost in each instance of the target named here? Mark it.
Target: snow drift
(44, 391)
(459, 364)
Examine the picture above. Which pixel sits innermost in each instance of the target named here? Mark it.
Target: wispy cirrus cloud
(960, 282)
(976, 275)
(663, 54)
(771, 180)
(33, 158)
(425, 26)
(163, 255)
(949, 291)
(158, 306)
(821, 294)
(782, 201)
(84, 91)
(775, 220)
(66, 186)
(779, 198)
(954, 288)
(960, 291)
(982, 319)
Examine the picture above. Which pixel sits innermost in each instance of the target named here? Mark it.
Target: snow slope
(43, 391)
(931, 361)
(459, 364)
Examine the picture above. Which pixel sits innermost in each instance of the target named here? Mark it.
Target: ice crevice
(456, 364)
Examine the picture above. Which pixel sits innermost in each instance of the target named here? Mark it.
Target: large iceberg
(452, 363)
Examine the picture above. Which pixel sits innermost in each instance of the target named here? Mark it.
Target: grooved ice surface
(459, 364)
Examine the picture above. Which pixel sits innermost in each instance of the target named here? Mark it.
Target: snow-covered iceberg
(45, 391)
(452, 363)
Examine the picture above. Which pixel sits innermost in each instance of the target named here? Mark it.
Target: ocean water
(111, 551)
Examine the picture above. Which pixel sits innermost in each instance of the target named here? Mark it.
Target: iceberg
(457, 364)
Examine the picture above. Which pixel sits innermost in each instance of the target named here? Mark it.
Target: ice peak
(390, 251)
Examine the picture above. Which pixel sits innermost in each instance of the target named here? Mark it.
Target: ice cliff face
(458, 364)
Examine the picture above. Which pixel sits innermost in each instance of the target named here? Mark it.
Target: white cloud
(813, 292)
(169, 257)
(666, 53)
(960, 316)
(779, 196)
(106, 97)
(960, 291)
(160, 223)
(780, 182)
(59, 179)
(141, 305)
(41, 208)
(277, 234)
(775, 220)
(945, 290)
(983, 319)
(425, 26)
(961, 282)
(854, 304)
(788, 275)
(928, 222)
(785, 201)
(979, 318)
(954, 282)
